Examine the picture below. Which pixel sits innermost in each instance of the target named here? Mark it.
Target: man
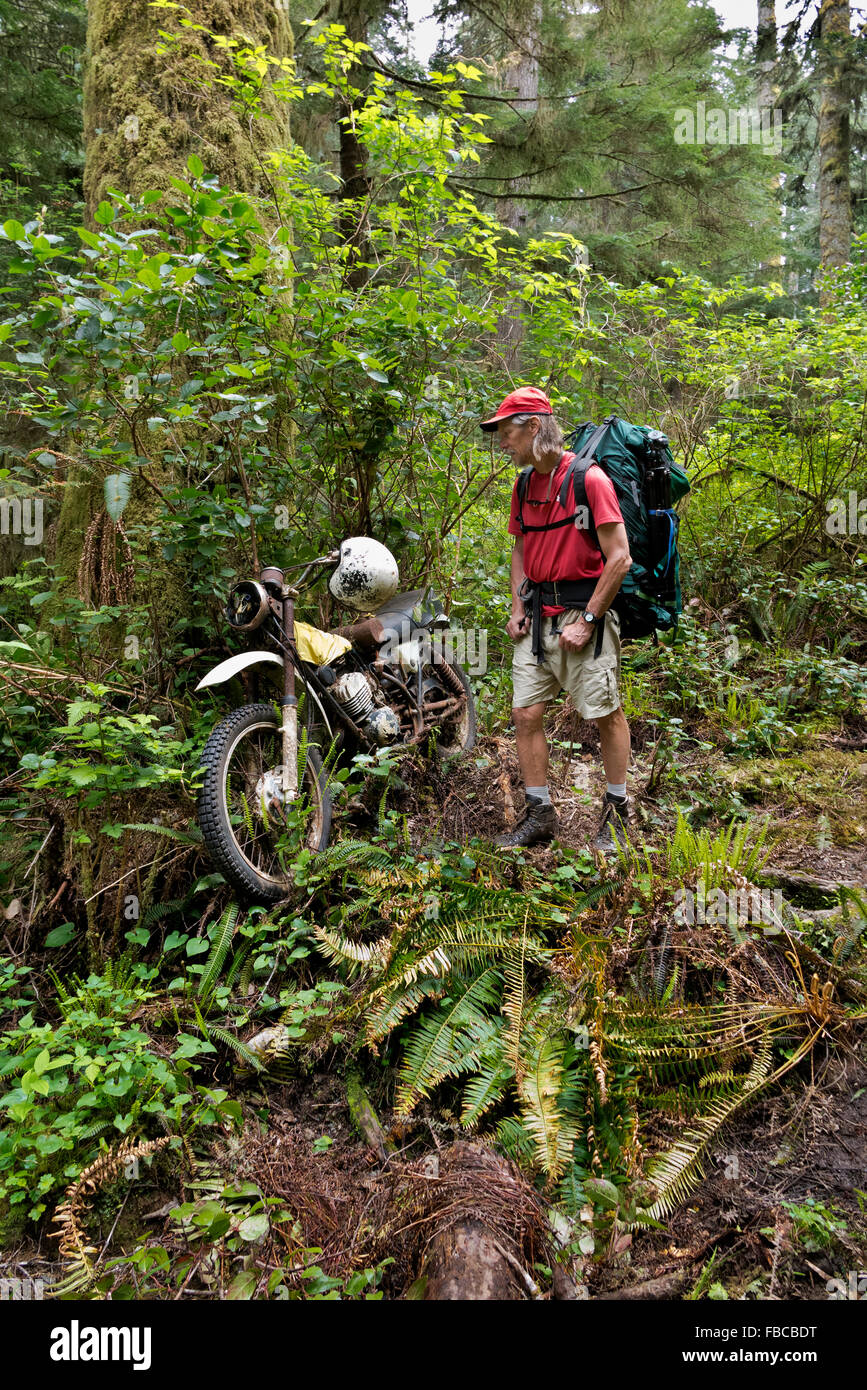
(567, 583)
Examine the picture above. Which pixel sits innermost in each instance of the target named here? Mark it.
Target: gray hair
(549, 436)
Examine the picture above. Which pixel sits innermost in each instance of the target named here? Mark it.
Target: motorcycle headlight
(247, 606)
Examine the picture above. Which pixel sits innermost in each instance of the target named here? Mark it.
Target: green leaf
(255, 1227)
(77, 709)
(116, 492)
(14, 230)
(104, 214)
(195, 166)
(43, 1061)
(243, 1285)
(60, 936)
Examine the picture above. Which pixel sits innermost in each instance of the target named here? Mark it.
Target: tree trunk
(145, 112)
(835, 208)
(521, 76)
(767, 92)
(356, 16)
(465, 1264)
(488, 1216)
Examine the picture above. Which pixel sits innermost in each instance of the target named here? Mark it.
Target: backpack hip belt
(570, 593)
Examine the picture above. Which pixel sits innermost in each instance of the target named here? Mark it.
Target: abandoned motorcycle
(382, 681)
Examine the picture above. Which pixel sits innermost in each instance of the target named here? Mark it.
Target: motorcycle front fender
(227, 669)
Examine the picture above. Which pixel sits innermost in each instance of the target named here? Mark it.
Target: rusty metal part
(451, 704)
(367, 634)
(450, 679)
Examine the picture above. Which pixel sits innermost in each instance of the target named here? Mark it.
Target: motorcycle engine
(354, 692)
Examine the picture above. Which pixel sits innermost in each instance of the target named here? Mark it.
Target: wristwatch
(589, 618)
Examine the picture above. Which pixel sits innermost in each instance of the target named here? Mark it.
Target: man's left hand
(575, 636)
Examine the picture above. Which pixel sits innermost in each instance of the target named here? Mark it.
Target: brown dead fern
(69, 1216)
(98, 576)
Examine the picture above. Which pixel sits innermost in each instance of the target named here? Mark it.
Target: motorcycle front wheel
(248, 828)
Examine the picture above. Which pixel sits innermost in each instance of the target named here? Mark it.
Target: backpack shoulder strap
(577, 472)
(523, 484)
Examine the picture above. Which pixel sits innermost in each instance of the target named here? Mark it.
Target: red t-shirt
(568, 552)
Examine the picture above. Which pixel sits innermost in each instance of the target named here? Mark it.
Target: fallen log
(484, 1217)
(465, 1262)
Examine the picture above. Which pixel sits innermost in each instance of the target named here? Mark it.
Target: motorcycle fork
(289, 702)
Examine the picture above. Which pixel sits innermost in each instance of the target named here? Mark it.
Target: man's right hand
(518, 625)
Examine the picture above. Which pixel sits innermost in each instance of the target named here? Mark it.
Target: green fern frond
(93, 1131)
(219, 950)
(160, 910)
(484, 1090)
(248, 816)
(224, 1036)
(356, 855)
(389, 1008)
(450, 1040)
(238, 961)
(677, 1172)
(515, 1140)
(192, 836)
(539, 1088)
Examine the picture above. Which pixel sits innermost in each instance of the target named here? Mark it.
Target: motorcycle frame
(279, 625)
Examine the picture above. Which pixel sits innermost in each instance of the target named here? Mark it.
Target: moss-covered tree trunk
(145, 112)
(835, 204)
(521, 77)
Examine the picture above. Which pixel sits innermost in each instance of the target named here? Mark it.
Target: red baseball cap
(527, 399)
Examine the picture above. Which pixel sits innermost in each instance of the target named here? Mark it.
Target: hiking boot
(615, 821)
(538, 825)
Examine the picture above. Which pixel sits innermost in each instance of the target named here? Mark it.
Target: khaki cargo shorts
(593, 682)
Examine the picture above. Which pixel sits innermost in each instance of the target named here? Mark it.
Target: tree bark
(356, 16)
(145, 112)
(768, 92)
(835, 206)
(465, 1264)
(521, 76)
(488, 1212)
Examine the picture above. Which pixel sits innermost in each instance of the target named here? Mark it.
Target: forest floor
(782, 1209)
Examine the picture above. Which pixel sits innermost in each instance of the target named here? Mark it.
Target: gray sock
(540, 793)
(617, 789)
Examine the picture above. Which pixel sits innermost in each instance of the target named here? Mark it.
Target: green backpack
(648, 483)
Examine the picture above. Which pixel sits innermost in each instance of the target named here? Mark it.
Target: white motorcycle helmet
(366, 577)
